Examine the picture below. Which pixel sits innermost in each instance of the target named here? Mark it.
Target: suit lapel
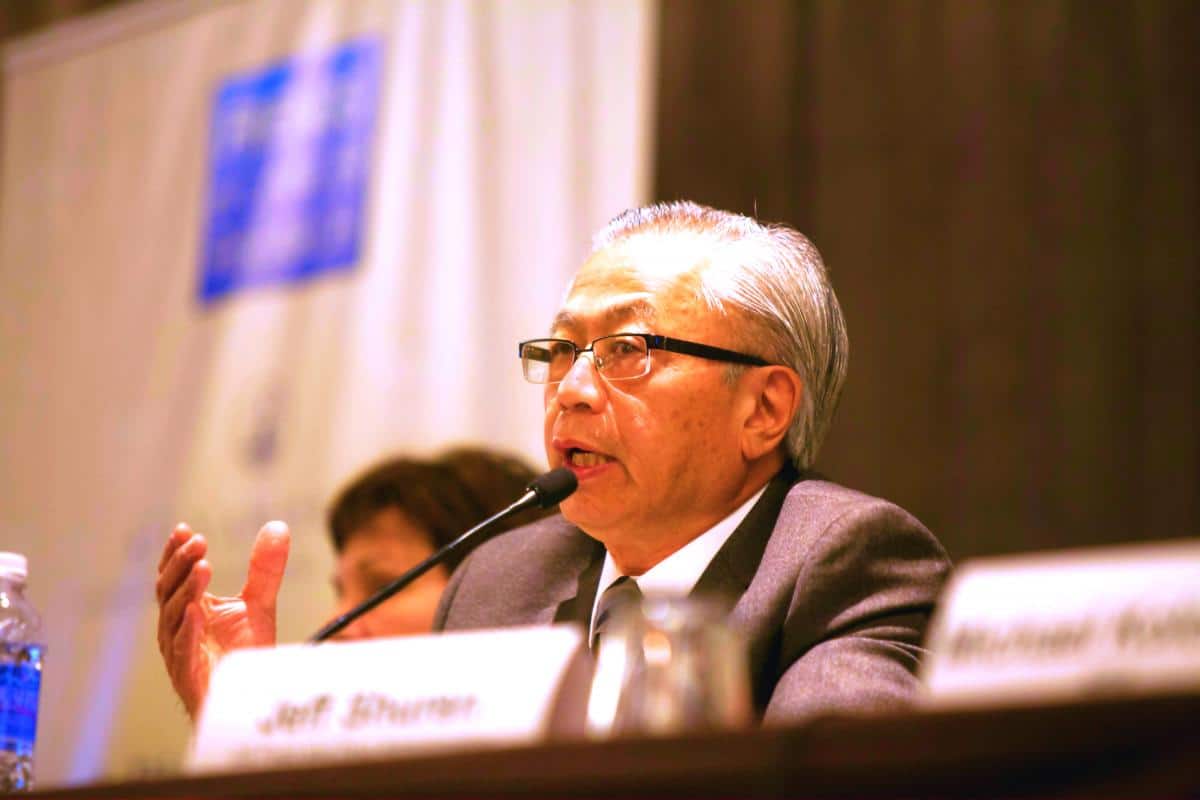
(729, 573)
(571, 596)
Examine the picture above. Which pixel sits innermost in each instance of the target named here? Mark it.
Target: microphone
(543, 491)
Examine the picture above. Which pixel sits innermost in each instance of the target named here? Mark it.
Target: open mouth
(577, 457)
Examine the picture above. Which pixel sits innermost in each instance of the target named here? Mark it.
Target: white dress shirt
(678, 573)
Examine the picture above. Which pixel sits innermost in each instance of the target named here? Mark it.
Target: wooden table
(1148, 747)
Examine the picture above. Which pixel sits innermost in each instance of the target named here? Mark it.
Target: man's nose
(582, 386)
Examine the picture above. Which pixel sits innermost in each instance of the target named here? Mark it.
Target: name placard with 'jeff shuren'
(300, 704)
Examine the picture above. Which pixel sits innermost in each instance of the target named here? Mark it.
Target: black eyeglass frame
(653, 342)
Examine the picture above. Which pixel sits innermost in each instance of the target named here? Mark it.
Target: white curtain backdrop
(506, 132)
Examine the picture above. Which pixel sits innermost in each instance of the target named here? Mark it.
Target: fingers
(189, 667)
(268, 559)
(178, 536)
(172, 612)
(177, 564)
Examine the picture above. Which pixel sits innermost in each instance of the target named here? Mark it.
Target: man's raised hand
(195, 628)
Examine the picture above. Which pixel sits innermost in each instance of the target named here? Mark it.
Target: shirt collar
(678, 573)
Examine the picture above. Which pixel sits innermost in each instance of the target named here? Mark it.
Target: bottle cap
(14, 565)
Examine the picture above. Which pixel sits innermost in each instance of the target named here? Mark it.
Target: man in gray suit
(690, 377)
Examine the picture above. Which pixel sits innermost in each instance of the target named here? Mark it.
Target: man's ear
(775, 392)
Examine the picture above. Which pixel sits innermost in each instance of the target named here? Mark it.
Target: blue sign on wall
(290, 153)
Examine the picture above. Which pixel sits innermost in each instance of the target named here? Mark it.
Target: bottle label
(20, 682)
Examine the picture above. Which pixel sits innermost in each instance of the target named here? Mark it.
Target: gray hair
(774, 278)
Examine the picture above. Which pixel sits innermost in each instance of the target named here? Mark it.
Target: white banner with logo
(425, 177)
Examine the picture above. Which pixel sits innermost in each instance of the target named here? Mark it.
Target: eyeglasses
(617, 357)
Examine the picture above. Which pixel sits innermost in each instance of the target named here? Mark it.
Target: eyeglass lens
(616, 357)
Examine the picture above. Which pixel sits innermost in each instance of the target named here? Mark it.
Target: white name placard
(1068, 625)
(306, 703)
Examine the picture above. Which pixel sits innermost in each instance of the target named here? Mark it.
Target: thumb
(268, 558)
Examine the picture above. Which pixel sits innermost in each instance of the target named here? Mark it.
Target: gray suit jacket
(833, 589)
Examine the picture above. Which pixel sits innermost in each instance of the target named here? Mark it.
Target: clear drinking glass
(667, 666)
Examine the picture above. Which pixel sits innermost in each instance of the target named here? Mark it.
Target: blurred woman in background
(401, 511)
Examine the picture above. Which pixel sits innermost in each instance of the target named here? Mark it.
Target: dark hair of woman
(443, 496)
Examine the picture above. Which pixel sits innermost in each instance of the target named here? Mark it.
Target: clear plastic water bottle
(20, 675)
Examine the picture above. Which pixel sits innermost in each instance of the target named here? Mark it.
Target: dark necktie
(620, 593)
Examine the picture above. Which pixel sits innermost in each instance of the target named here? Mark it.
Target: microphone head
(554, 486)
